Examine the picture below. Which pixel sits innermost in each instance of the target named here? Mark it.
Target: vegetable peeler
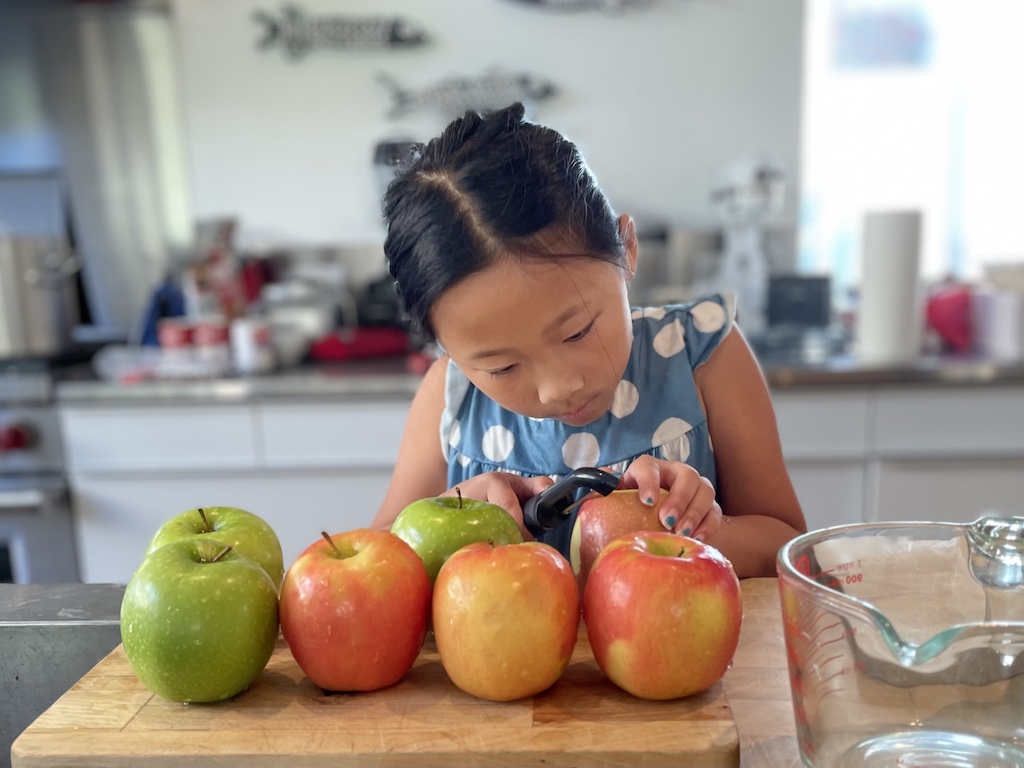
(552, 506)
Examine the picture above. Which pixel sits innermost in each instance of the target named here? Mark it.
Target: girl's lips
(579, 414)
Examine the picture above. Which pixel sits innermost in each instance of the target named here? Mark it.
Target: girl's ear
(627, 233)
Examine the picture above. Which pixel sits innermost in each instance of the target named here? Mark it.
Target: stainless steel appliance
(36, 535)
(39, 301)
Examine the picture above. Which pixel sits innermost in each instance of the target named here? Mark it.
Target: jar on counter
(212, 344)
(251, 347)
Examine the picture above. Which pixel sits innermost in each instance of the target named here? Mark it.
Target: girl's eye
(581, 334)
(502, 371)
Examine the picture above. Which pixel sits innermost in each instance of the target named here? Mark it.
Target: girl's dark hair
(490, 185)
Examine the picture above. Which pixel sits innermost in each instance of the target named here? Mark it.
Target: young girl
(505, 251)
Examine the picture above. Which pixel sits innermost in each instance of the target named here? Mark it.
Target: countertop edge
(392, 380)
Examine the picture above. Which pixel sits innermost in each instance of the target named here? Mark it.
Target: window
(911, 104)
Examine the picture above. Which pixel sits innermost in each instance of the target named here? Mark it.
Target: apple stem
(206, 521)
(331, 542)
(458, 492)
(681, 551)
(221, 554)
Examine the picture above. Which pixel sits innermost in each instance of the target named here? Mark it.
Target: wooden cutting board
(109, 719)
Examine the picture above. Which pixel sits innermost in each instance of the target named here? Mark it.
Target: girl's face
(546, 339)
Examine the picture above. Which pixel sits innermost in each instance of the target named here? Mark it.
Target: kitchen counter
(50, 635)
(391, 377)
(281, 720)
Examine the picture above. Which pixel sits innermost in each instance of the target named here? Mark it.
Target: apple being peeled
(506, 618)
(437, 527)
(354, 610)
(663, 614)
(198, 621)
(246, 533)
(603, 518)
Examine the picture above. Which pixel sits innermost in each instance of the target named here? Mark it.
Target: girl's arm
(761, 510)
(421, 469)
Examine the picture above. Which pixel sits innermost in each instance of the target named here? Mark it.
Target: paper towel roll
(890, 317)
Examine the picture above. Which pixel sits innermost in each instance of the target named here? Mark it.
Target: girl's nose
(558, 385)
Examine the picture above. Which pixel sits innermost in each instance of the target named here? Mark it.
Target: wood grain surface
(109, 719)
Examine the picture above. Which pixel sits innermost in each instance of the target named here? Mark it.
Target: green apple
(437, 527)
(198, 620)
(246, 533)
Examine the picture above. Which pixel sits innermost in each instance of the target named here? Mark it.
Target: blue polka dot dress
(655, 410)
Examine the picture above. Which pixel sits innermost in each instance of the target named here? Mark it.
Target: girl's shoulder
(696, 327)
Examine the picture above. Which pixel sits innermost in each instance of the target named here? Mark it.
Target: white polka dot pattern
(651, 313)
(670, 340)
(671, 435)
(625, 400)
(455, 435)
(581, 449)
(708, 317)
(498, 443)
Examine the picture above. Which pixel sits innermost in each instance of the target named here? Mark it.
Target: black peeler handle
(553, 505)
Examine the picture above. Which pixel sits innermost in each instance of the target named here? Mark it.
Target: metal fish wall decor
(606, 6)
(298, 33)
(453, 96)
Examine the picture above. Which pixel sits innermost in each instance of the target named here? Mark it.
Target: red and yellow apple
(506, 618)
(663, 614)
(355, 609)
(603, 518)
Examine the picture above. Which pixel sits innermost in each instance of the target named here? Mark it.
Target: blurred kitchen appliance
(801, 301)
(36, 535)
(750, 193)
(39, 305)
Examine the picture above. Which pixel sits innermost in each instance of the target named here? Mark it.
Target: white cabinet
(952, 490)
(904, 452)
(332, 434)
(104, 439)
(305, 467)
(824, 437)
(855, 453)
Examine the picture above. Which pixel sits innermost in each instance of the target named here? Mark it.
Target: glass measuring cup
(905, 643)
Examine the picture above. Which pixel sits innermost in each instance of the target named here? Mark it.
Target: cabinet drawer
(822, 425)
(923, 422)
(955, 491)
(330, 434)
(830, 492)
(204, 438)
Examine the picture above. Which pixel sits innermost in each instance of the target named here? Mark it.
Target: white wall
(660, 98)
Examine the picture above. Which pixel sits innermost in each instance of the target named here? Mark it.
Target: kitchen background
(160, 115)
(136, 127)
(191, 191)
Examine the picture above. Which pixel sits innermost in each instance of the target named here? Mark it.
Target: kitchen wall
(661, 96)
(158, 113)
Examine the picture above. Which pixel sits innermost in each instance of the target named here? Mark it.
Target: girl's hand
(506, 490)
(689, 508)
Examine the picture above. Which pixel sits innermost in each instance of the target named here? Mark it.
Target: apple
(354, 610)
(198, 620)
(506, 618)
(436, 527)
(663, 614)
(246, 533)
(603, 518)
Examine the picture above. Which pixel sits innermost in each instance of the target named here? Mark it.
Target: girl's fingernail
(670, 521)
(686, 531)
(649, 500)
